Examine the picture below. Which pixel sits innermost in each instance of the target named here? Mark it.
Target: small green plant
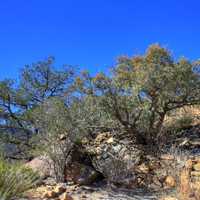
(15, 180)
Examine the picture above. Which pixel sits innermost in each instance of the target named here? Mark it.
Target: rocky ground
(75, 192)
(160, 175)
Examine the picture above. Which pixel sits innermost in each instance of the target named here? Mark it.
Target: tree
(41, 81)
(38, 82)
(142, 90)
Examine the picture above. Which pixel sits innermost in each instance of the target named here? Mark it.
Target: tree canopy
(134, 98)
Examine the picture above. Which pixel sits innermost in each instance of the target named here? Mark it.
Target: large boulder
(115, 158)
(42, 165)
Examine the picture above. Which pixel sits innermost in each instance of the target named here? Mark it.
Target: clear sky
(92, 33)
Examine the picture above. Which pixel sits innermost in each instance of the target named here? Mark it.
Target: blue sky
(92, 33)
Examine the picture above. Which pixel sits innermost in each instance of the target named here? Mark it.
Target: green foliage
(134, 98)
(15, 180)
(143, 89)
(41, 80)
(37, 83)
(57, 133)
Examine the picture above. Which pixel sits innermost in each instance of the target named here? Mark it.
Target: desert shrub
(57, 134)
(119, 171)
(15, 180)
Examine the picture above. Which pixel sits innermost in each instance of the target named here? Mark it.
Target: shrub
(56, 134)
(15, 180)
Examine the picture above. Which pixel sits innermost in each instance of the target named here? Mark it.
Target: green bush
(15, 180)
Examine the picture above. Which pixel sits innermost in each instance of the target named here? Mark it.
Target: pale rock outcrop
(115, 158)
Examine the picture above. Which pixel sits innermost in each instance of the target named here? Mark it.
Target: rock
(195, 173)
(189, 164)
(196, 185)
(110, 140)
(170, 181)
(197, 159)
(143, 168)
(66, 196)
(59, 189)
(42, 165)
(115, 158)
(49, 181)
(196, 167)
(81, 174)
(154, 165)
(102, 137)
(169, 198)
(185, 187)
(156, 183)
(49, 194)
(84, 196)
(167, 157)
(128, 183)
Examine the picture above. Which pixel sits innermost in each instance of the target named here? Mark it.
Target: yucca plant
(15, 180)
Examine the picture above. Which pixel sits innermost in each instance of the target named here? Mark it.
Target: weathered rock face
(115, 159)
(194, 170)
(190, 180)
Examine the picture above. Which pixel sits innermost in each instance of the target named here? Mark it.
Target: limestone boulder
(170, 181)
(196, 167)
(115, 158)
(42, 165)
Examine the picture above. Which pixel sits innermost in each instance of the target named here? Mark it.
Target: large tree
(143, 89)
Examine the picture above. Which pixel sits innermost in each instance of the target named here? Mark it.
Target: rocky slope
(109, 162)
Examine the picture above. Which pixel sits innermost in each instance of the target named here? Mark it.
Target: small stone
(196, 167)
(117, 148)
(59, 189)
(170, 181)
(70, 183)
(110, 140)
(167, 157)
(169, 198)
(98, 150)
(49, 194)
(66, 196)
(195, 173)
(144, 168)
(62, 137)
(196, 185)
(84, 196)
(157, 182)
(189, 164)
